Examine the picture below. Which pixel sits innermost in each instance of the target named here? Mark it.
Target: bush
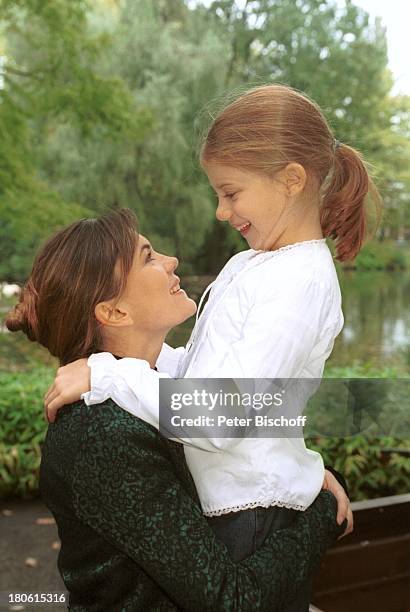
(380, 256)
(366, 461)
(369, 466)
(22, 430)
(370, 471)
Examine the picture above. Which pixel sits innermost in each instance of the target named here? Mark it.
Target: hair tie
(336, 145)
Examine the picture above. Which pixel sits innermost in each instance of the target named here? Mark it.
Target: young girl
(274, 311)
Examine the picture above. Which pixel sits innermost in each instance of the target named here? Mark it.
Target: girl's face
(254, 205)
(152, 297)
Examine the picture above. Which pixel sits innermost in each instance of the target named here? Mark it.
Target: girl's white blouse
(269, 315)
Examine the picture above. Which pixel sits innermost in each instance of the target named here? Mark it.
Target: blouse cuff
(169, 359)
(102, 366)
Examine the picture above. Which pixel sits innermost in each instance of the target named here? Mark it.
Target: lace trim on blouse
(290, 247)
(255, 504)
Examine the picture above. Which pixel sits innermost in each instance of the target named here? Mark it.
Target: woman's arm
(129, 494)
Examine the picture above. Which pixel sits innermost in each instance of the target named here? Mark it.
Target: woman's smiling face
(152, 296)
(253, 204)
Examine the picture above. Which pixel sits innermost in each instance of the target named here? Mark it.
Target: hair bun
(23, 317)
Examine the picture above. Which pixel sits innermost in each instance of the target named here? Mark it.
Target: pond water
(376, 331)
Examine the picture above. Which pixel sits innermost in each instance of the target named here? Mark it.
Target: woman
(132, 532)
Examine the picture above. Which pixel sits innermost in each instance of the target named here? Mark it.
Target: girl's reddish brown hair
(80, 266)
(272, 125)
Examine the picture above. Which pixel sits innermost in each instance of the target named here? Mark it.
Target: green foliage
(22, 430)
(28, 215)
(364, 370)
(155, 176)
(368, 464)
(49, 77)
(380, 256)
(101, 105)
(369, 471)
(366, 460)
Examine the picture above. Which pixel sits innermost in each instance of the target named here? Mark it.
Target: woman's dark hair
(86, 263)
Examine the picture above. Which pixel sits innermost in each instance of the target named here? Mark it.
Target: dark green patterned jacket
(132, 532)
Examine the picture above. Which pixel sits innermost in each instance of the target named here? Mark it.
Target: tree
(47, 75)
(103, 104)
(170, 61)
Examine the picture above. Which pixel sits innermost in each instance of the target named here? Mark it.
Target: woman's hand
(344, 510)
(69, 384)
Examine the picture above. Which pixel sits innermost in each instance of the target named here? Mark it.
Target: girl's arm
(150, 517)
(277, 337)
(74, 380)
(131, 383)
(134, 386)
(169, 359)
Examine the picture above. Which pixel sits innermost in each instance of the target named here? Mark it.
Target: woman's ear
(110, 315)
(295, 178)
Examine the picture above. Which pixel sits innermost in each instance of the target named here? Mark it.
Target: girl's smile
(243, 228)
(269, 212)
(253, 204)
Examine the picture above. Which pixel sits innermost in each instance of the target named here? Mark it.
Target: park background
(103, 104)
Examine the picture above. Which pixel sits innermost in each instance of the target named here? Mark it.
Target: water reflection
(377, 320)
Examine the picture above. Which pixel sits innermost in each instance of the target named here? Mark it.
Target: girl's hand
(344, 510)
(69, 384)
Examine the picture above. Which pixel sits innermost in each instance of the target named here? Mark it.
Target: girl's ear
(295, 178)
(110, 315)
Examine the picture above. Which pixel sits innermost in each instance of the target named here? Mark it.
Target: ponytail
(343, 212)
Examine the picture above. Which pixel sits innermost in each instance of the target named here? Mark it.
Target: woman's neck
(137, 345)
